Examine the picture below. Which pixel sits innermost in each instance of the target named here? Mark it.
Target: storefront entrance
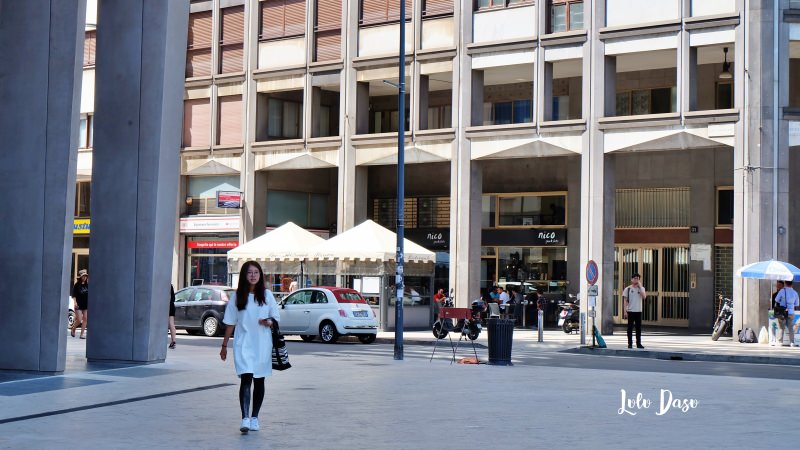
(665, 276)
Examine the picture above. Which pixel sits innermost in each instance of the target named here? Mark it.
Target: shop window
(522, 210)
(207, 261)
(725, 206)
(202, 194)
(83, 192)
(652, 208)
(566, 15)
(305, 209)
(86, 132)
(503, 113)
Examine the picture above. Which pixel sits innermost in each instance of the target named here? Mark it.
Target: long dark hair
(243, 289)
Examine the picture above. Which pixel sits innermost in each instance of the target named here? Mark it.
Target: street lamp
(401, 135)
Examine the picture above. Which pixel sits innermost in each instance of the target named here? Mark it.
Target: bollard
(540, 324)
(583, 328)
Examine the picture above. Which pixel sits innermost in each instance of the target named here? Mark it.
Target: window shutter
(295, 18)
(329, 45)
(271, 19)
(232, 40)
(394, 10)
(373, 11)
(437, 7)
(329, 15)
(230, 120)
(89, 48)
(198, 55)
(197, 123)
(328, 30)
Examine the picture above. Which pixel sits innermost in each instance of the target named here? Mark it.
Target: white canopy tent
(279, 251)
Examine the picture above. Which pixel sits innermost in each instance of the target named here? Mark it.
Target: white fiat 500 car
(328, 312)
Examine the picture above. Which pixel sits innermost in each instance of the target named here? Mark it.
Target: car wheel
(70, 319)
(367, 338)
(307, 337)
(328, 333)
(210, 326)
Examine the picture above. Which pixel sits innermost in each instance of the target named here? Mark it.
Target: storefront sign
(229, 199)
(536, 237)
(81, 226)
(212, 244)
(209, 224)
(430, 238)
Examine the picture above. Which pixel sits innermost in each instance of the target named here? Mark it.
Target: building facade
(651, 137)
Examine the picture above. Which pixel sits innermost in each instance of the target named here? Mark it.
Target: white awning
(369, 242)
(288, 242)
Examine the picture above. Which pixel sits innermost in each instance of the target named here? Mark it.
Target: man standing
(788, 301)
(633, 296)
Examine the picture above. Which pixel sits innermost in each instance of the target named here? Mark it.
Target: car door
(320, 305)
(182, 299)
(296, 311)
(199, 304)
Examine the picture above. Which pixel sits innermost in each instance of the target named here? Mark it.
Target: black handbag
(280, 356)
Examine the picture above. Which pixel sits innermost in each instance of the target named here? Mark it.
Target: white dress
(252, 343)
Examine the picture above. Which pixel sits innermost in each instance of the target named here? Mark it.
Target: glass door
(665, 276)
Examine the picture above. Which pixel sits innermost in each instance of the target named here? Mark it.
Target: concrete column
(140, 59)
(40, 88)
(598, 182)
(250, 96)
(761, 186)
(353, 116)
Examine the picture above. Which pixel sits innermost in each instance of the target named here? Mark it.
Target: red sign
(229, 199)
(212, 244)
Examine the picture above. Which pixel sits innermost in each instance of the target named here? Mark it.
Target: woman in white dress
(251, 312)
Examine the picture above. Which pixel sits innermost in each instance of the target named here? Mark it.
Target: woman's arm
(223, 354)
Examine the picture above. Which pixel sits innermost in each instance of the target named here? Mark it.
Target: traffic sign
(592, 272)
(593, 291)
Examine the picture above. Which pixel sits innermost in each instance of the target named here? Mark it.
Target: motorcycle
(724, 318)
(470, 327)
(569, 317)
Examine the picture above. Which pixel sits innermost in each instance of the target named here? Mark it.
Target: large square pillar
(40, 81)
(141, 54)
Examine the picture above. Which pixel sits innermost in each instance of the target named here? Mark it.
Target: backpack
(748, 336)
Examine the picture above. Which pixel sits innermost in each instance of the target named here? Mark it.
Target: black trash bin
(501, 336)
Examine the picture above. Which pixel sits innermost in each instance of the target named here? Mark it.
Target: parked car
(328, 312)
(199, 309)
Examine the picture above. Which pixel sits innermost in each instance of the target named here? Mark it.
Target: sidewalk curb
(686, 356)
(424, 342)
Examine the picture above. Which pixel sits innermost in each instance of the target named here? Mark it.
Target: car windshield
(350, 297)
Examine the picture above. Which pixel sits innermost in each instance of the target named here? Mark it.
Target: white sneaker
(254, 424)
(245, 425)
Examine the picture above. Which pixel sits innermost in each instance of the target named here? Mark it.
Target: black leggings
(244, 394)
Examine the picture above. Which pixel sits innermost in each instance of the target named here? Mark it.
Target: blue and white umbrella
(770, 270)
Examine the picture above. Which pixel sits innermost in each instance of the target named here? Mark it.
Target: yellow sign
(80, 226)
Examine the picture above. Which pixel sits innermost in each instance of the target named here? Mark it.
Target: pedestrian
(439, 296)
(251, 310)
(518, 299)
(437, 303)
(786, 302)
(633, 297)
(172, 331)
(293, 286)
(80, 291)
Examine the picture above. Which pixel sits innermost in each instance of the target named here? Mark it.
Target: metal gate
(665, 276)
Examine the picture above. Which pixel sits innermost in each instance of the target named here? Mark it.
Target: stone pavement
(354, 396)
(658, 344)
